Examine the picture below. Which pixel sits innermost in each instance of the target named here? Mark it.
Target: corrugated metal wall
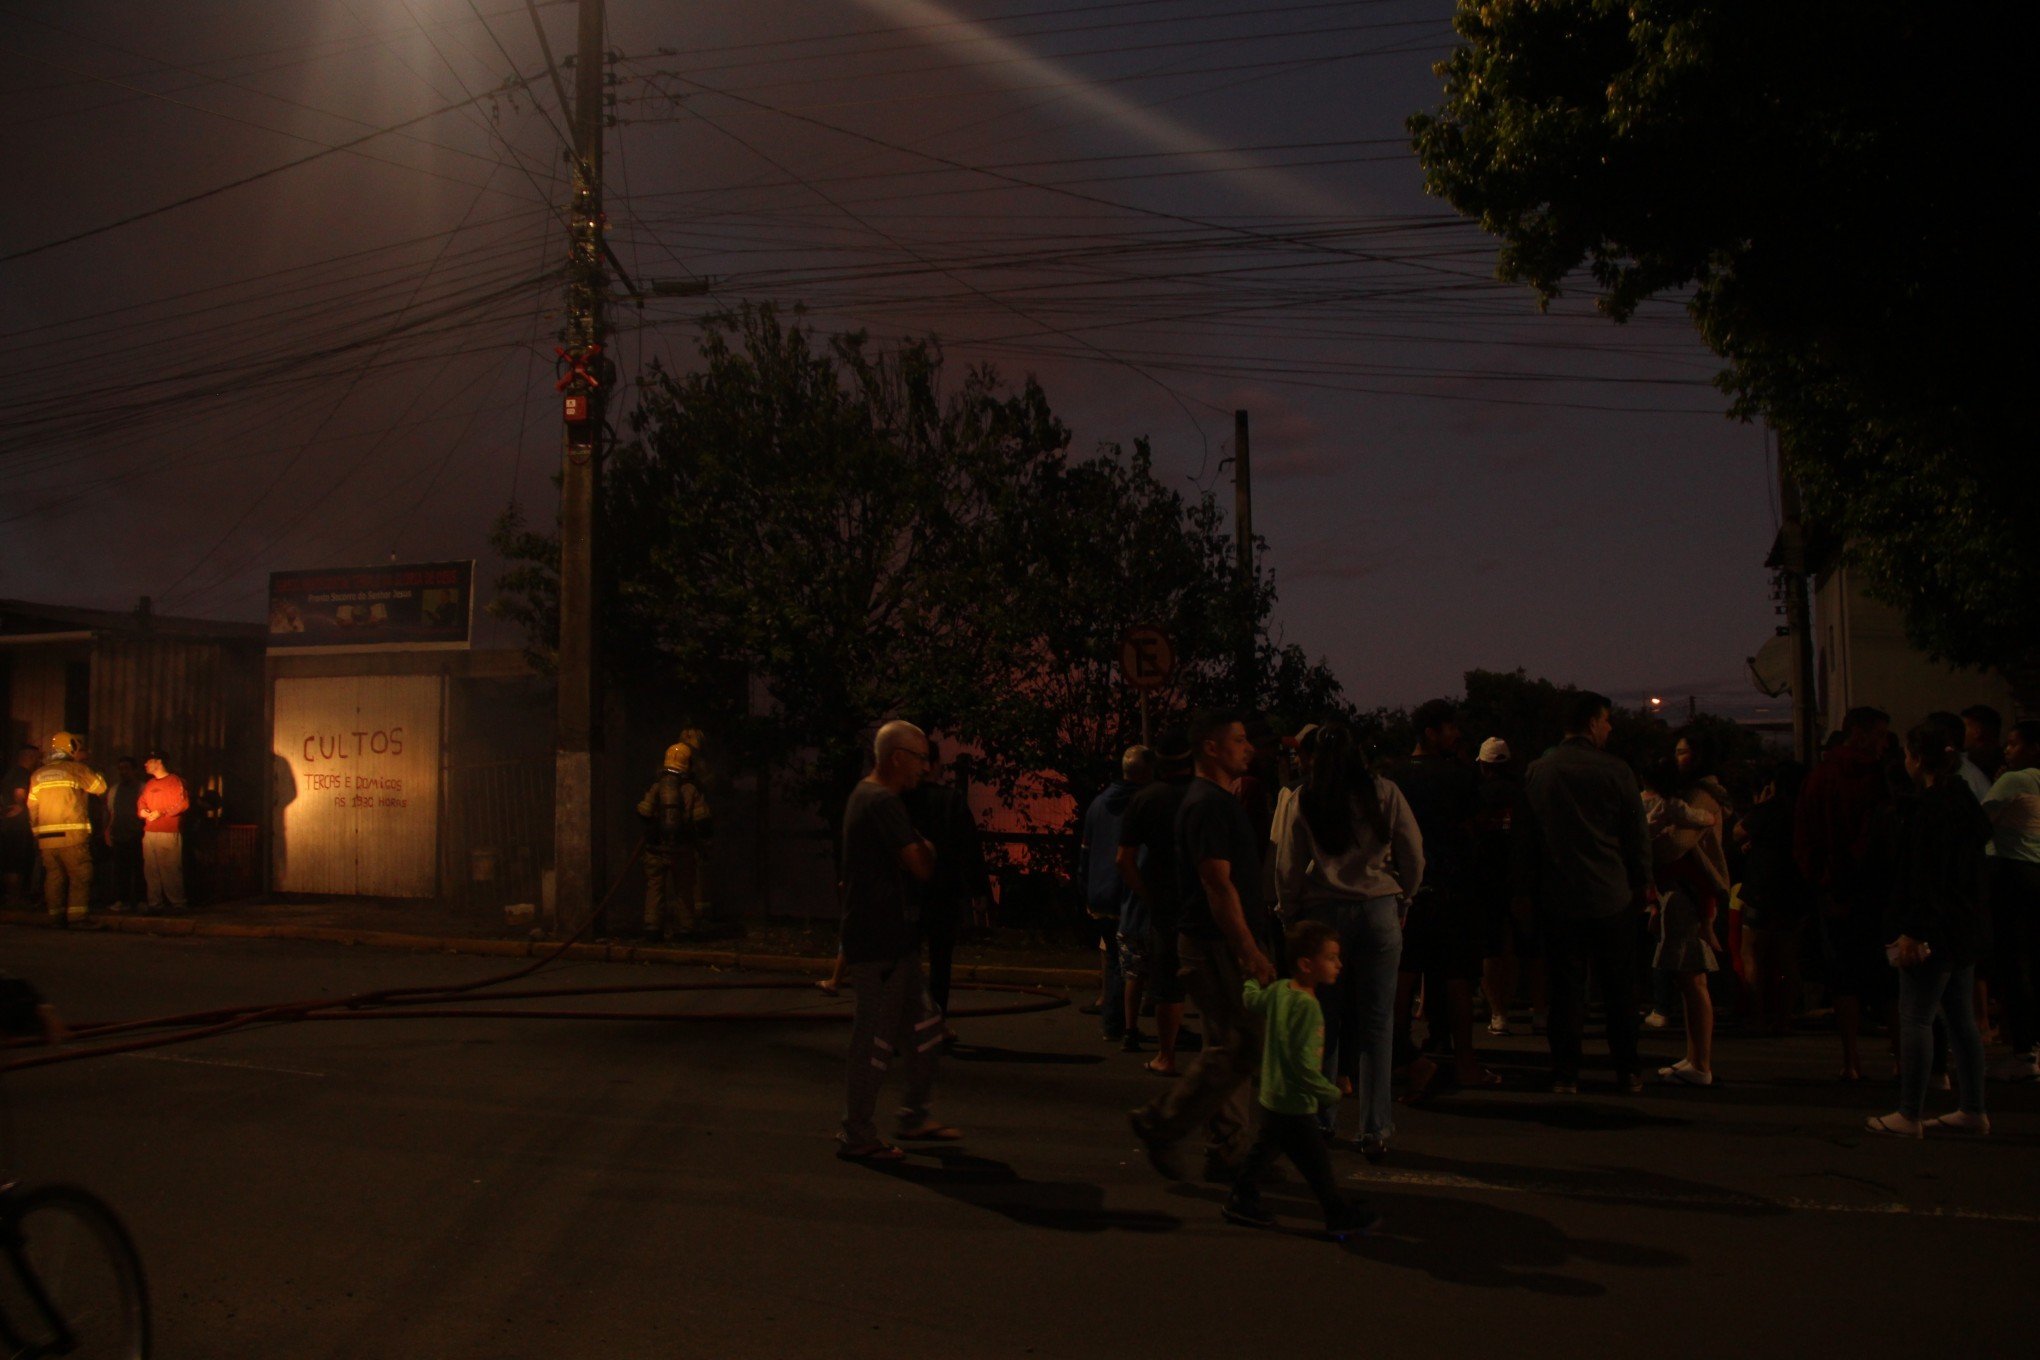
(35, 693)
(358, 784)
(199, 700)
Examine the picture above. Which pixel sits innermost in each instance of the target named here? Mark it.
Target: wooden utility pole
(1792, 574)
(577, 854)
(1243, 532)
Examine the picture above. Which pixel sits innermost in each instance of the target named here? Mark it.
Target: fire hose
(96, 1040)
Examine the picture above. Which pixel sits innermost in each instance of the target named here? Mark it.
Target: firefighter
(60, 796)
(677, 828)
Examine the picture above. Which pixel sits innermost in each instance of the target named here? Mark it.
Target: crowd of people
(1315, 916)
(80, 843)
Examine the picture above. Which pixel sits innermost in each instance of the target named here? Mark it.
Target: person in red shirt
(162, 805)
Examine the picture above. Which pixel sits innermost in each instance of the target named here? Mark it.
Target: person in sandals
(885, 864)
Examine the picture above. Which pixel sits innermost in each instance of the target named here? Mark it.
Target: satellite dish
(1771, 667)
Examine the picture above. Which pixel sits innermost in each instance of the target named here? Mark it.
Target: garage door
(357, 785)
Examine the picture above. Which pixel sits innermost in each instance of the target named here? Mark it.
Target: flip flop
(876, 1152)
(1876, 1123)
(827, 988)
(1485, 1077)
(1160, 1071)
(930, 1133)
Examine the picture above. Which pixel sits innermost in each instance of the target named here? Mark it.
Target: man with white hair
(885, 862)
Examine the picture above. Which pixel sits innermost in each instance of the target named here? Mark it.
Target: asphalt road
(519, 1188)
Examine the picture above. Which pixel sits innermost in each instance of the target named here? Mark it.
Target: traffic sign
(1147, 659)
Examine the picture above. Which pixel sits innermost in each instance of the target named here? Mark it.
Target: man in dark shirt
(885, 862)
(1582, 863)
(941, 813)
(1442, 937)
(1218, 863)
(1146, 860)
(124, 835)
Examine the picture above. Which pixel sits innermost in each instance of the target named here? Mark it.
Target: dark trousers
(1297, 1137)
(2015, 961)
(129, 885)
(1607, 947)
(938, 928)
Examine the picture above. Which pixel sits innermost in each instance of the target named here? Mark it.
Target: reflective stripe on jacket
(60, 797)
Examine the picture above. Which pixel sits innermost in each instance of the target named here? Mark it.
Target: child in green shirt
(1293, 1086)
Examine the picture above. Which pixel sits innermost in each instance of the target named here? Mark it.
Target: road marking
(220, 1062)
(1668, 1199)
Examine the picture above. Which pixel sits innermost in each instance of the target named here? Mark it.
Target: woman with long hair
(1939, 929)
(1352, 856)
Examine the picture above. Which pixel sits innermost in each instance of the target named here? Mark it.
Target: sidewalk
(439, 927)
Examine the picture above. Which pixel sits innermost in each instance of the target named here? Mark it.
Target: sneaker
(2018, 1067)
(1131, 1043)
(1248, 1215)
(1629, 1083)
(1164, 1157)
(1373, 1147)
(1498, 1025)
(1655, 1020)
(1356, 1221)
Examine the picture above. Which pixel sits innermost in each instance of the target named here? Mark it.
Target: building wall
(358, 780)
(200, 700)
(1861, 658)
(35, 691)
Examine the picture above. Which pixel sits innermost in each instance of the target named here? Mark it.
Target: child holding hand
(1293, 1085)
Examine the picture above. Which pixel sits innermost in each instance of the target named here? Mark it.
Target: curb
(807, 964)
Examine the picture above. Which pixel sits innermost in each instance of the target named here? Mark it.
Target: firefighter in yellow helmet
(60, 796)
(678, 825)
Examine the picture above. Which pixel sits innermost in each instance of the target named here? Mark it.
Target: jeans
(1923, 990)
(1215, 1092)
(1360, 1007)
(1607, 946)
(1112, 988)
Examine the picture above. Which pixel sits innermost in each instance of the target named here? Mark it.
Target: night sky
(1165, 209)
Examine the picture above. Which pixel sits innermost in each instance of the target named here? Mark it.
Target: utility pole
(1790, 561)
(577, 857)
(1243, 532)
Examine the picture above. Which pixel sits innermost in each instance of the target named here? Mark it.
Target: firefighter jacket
(60, 798)
(679, 815)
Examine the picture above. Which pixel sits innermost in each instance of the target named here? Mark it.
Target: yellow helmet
(65, 744)
(680, 757)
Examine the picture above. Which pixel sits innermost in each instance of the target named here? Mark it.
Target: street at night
(464, 1187)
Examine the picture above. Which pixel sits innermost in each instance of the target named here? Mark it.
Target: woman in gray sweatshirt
(1352, 856)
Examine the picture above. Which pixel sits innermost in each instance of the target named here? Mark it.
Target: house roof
(29, 618)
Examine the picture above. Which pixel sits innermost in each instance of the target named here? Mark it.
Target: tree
(825, 524)
(1817, 183)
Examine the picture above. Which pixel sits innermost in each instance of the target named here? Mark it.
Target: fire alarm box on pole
(576, 408)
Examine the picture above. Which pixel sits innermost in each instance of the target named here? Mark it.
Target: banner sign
(420, 605)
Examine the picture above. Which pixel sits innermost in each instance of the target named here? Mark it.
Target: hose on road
(459, 1000)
